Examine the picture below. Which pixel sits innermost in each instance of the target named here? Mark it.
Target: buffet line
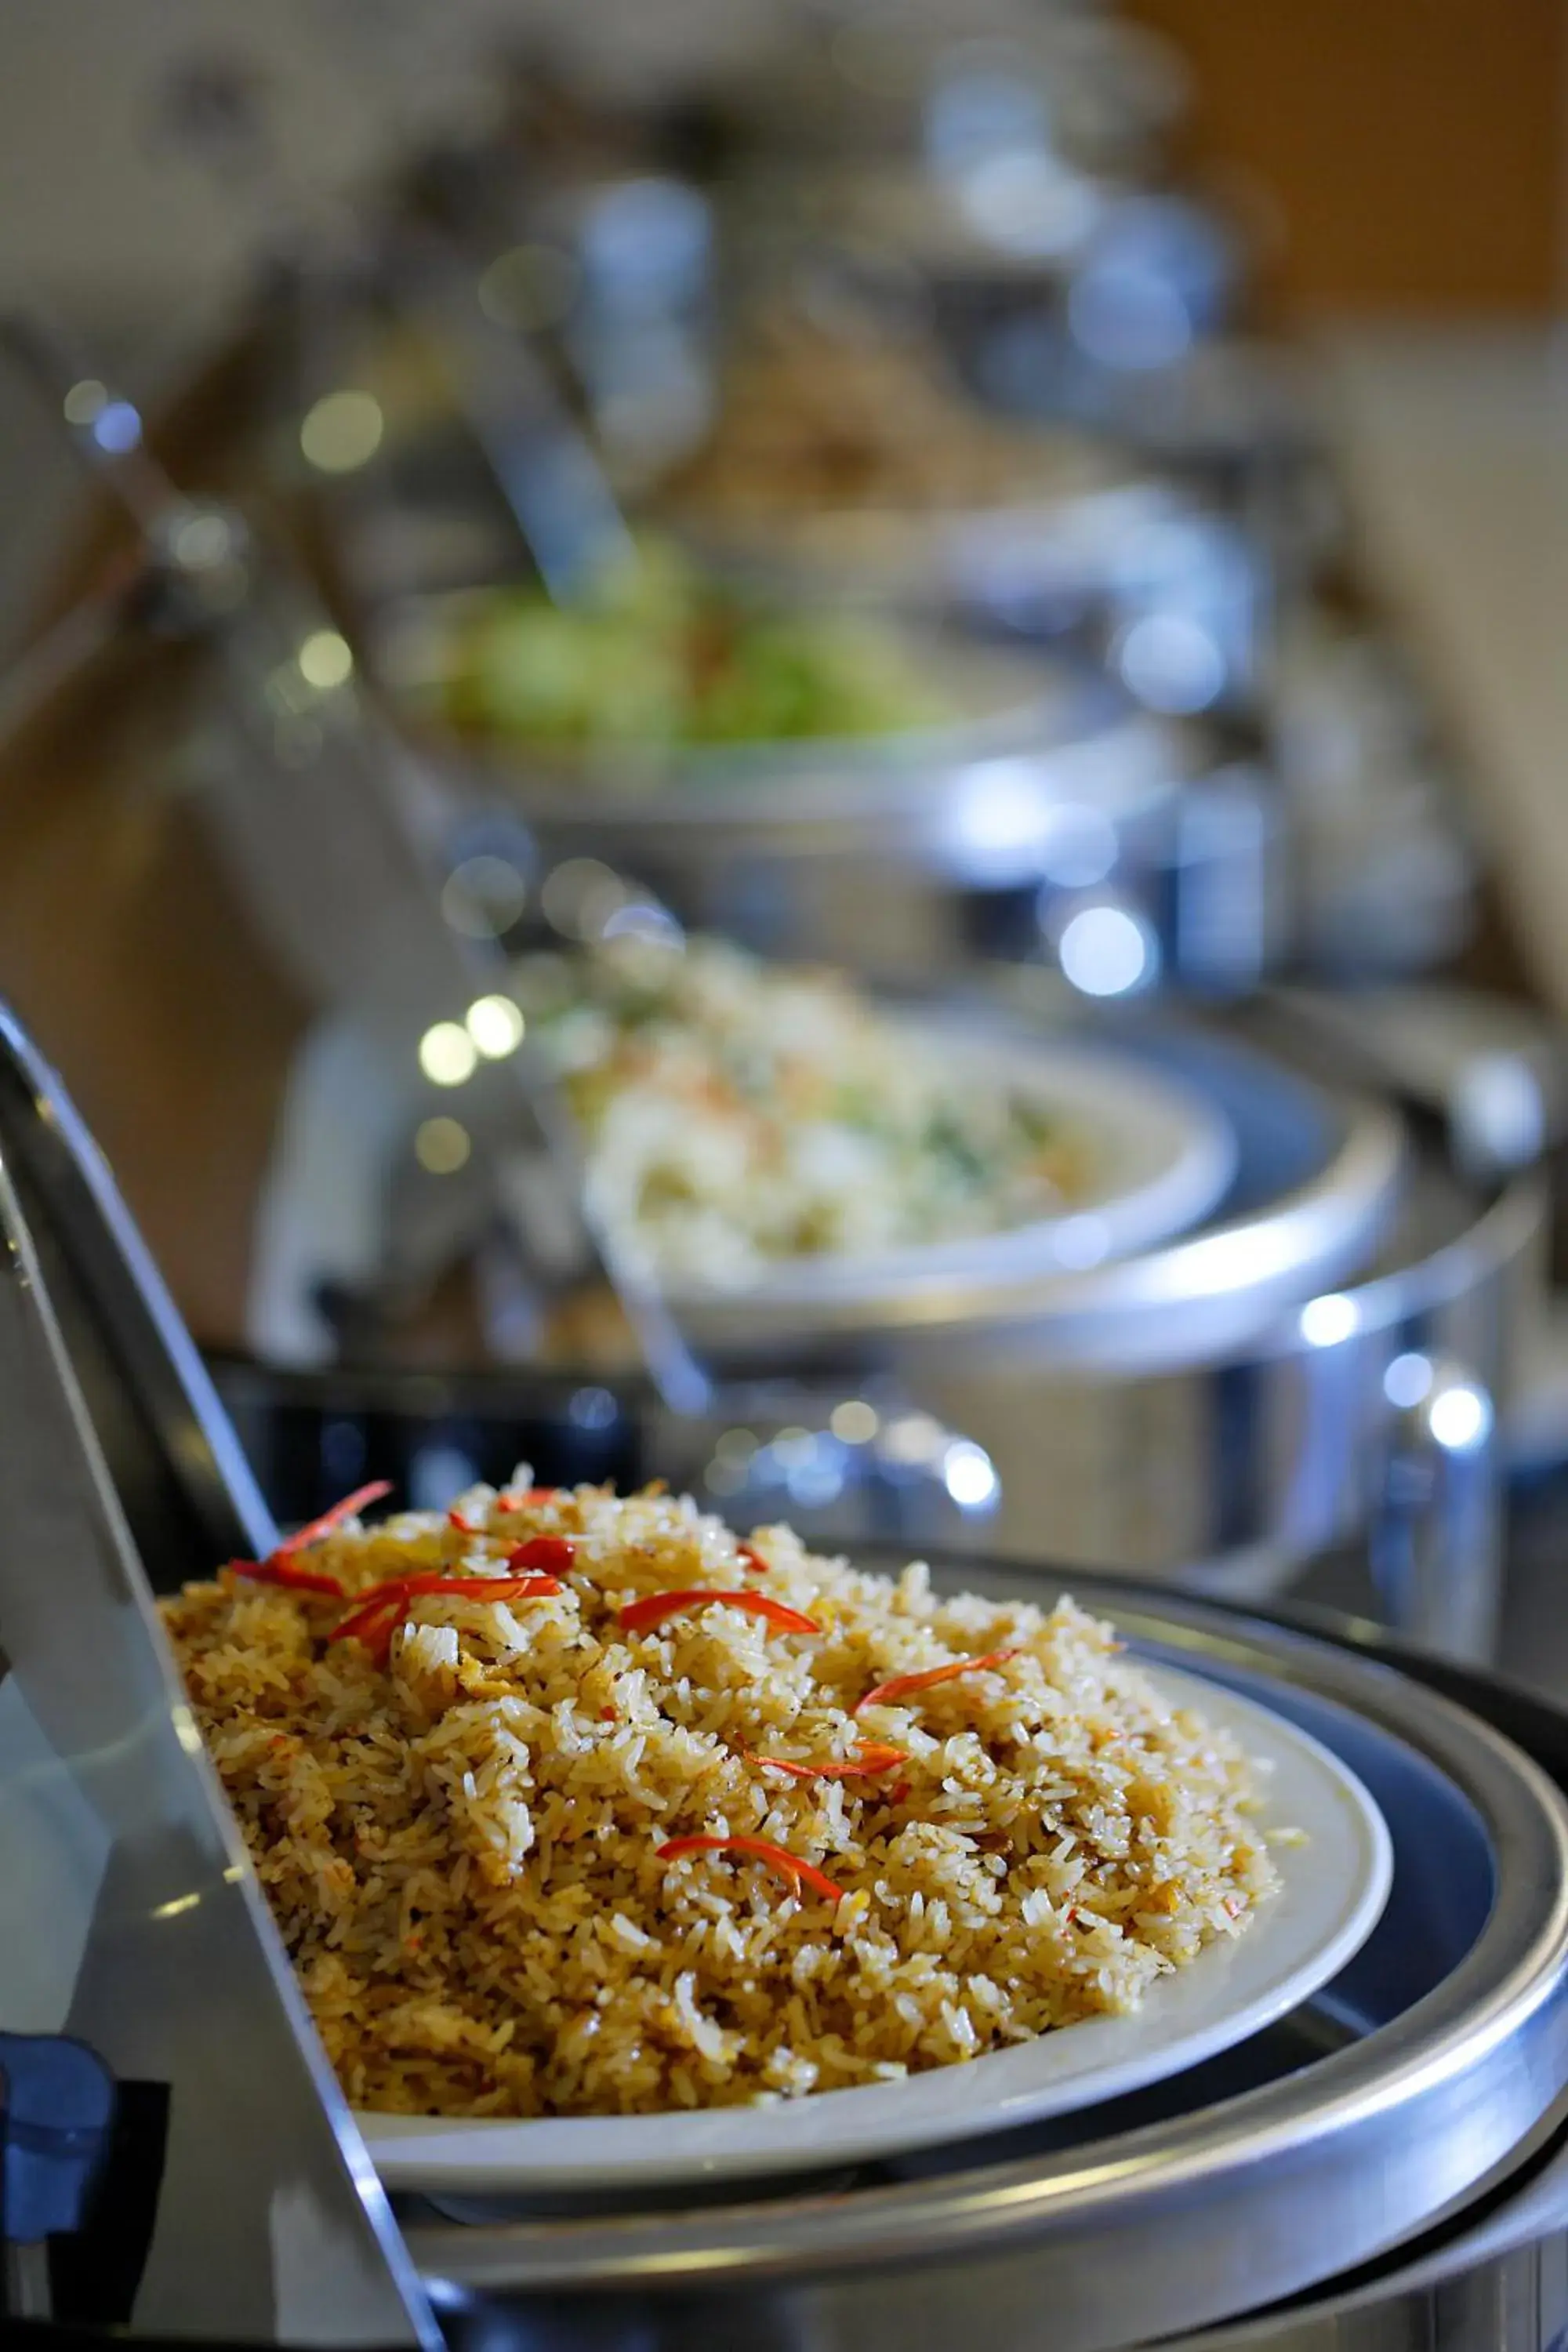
(719, 813)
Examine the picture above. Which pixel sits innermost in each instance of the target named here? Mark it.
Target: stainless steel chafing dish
(1055, 796)
(1223, 1346)
(1382, 2167)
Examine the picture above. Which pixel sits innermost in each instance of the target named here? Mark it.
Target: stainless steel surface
(1183, 1303)
(1081, 84)
(1235, 1470)
(132, 1917)
(1490, 1068)
(979, 794)
(868, 853)
(116, 1312)
(1166, 592)
(1501, 2285)
(1435, 1542)
(1219, 1408)
(1212, 2210)
(1440, 2066)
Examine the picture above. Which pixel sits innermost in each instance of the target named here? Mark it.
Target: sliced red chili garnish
(902, 1685)
(754, 1558)
(378, 1608)
(551, 1552)
(788, 1866)
(466, 1588)
(874, 1756)
(315, 1529)
(484, 1588)
(654, 1607)
(284, 1572)
(527, 1500)
(464, 1526)
(374, 1622)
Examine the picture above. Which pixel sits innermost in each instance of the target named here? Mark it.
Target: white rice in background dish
(462, 1820)
(737, 1114)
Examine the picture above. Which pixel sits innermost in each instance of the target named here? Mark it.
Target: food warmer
(1237, 811)
(1297, 777)
(1117, 786)
(1089, 761)
(191, 762)
(1385, 2167)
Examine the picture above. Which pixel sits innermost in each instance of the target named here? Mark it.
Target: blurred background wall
(1410, 154)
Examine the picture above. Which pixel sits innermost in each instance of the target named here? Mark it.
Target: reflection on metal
(128, 1339)
(1437, 1552)
(270, 2221)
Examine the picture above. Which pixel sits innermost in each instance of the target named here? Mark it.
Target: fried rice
(498, 1834)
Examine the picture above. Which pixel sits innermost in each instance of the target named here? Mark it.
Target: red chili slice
(527, 1501)
(378, 1608)
(885, 1693)
(484, 1588)
(284, 1572)
(554, 1553)
(754, 1558)
(464, 1526)
(874, 1756)
(374, 1622)
(467, 1587)
(788, 1866)
(313, 1531)
(654, 1607)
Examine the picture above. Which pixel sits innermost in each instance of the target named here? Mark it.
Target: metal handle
(1437, 1536)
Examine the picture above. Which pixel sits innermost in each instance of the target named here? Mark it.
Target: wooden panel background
(1412, 149)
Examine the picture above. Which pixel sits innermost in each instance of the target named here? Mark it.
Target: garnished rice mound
(675, 1821)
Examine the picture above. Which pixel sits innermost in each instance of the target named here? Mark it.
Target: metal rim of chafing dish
(1125, 88)
(977, 800)
(1166, 1305)
(1195, 2218)
(1064, 550)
